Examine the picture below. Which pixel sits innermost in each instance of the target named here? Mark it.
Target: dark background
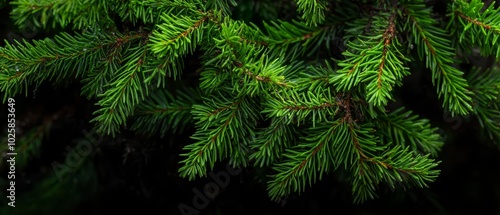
(130, 175)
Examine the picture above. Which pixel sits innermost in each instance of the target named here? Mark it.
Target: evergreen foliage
(303, 96)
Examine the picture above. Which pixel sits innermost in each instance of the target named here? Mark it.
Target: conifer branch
(373, 59)
(405, 129)
(298, 39)
(485, 84)
(223, 6)
(392, 167)
(432, 42)
(247, 61)
(297, 107)
(303, 163)
(313, 11)
(82, 14)
(476, 25)
(265, 94)
(272, 141)
(147, 11)
(161, 111)
(64, 57)
(313, 78)
(119, 101)
(179, 35)
(216, 140)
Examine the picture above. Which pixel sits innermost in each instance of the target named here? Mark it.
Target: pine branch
(476, 26)
(392, 167)
(252, 69)
(433, 42)
(406, 130)
(223, 6)
(214, 78)
(64, 57)
(302, 164)
(262, 76)
(295, 39)
(313, 11)
(374, 60)
(313, 78)
(265, 95)
(178, 35)
(486, 88)
(124, 92)
(146, 11)
(233, 46)
(270, 142)
(224, 129)
(162, 111)
(301, 107)
(43, 13)
(397, 166)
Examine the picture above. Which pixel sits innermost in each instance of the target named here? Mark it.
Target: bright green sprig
(308, 161)
(239, 55)
(147, 11)
(295, 39)
(63, 57)
(262, 76)
(162, 111)
(372, 163)
(223, 6)
(434, 46)
(392, 167)
(270, 142)
(485, 84)
(125, 90)
(178, 35)
(313, 78)
(224, 130)
(235, 45)
(375, 60)
(298, 108)
(54, 13)
(404, 128)
(476, 27)
(313, 11)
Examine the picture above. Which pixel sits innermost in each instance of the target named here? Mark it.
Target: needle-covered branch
(314, 88)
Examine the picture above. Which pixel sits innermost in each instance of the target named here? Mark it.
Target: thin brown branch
(387, 37)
